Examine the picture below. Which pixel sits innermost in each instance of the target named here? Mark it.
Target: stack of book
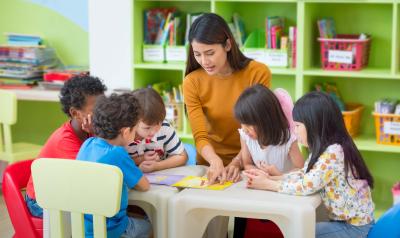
(16, 39)
(24, 65)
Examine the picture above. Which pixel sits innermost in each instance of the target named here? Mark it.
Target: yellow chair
(12, 152)
(78, 187)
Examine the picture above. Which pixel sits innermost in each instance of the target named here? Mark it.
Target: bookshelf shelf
(381, 79)
(365, 73)
(368, 143)
(160, 66)
(283, 71)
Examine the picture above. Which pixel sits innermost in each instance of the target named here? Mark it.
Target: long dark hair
(210, 29)
(259, 107)
(325, 126)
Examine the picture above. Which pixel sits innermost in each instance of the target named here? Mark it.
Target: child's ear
(73, 112)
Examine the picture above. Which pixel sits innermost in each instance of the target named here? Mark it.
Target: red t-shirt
(63, 143)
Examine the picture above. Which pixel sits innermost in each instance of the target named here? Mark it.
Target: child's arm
(246, 157)
(138, 160)
(296, 156)
(143, 184)
(172, 161)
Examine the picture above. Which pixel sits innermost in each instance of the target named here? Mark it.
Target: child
(77, 98)
(335, 169)
(114, 125)
(157, 145)
(265, 136)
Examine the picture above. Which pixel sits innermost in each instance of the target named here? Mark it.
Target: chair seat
(21, 151)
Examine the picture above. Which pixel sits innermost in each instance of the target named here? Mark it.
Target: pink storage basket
(350, 47)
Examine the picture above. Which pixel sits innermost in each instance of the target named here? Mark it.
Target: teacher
(216, 74)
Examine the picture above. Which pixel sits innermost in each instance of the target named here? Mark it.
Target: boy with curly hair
(77, 98)
(114, 124)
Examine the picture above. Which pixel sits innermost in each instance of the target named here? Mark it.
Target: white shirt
(277, 155)
(165, 142)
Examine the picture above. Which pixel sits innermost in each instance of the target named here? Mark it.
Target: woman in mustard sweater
(216, 74)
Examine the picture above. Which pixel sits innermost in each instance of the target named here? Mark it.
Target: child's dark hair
(259, 107)
(325, 126)
(76, 89)
(153, 108)
(210, 28)
(113, 113)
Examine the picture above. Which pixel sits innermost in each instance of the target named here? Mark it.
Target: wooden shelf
(368, 143)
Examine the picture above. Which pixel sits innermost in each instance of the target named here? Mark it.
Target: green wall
(37, 120)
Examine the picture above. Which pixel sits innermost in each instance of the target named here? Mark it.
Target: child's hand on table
(269, 168)
(148, 166)
(258, 179)
(151, 156)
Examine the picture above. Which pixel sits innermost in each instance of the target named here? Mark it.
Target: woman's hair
(210, 29)
(153, 108)
(259, 107)
(325, 126)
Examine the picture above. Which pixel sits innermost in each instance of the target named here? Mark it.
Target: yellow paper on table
(200, 182)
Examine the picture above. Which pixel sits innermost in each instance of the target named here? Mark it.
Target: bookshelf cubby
(380, 79)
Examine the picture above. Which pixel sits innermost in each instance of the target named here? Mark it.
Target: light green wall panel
(37, 120)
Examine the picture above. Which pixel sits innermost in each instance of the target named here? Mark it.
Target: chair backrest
(388, 225)
(191, 152)
(287, 105)
(78, 187)
(8, 117)
(15, 178)
(8, 107)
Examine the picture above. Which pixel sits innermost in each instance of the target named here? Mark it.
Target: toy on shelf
(351, 112)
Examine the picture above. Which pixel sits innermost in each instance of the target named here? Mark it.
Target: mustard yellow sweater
(210, 100)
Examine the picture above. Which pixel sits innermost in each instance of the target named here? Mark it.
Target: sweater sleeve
(195, 113)
(262, 75)
(323, 172)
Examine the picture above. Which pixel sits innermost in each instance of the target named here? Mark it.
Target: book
(200, 182)
(163, 179)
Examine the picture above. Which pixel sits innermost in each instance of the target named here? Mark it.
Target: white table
(155, 201)
(190, 210)
(37, 94)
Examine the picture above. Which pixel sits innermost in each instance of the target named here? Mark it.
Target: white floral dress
(348, 201)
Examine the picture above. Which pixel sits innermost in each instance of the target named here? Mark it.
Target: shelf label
(340, 56)
(276, 59)
(272, 58)
(256, 54)
(176, 53)
(153, 53)
(392, 128)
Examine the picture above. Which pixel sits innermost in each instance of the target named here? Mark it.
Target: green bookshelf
(379, 18)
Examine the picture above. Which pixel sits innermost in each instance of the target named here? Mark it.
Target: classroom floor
(6, 228)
